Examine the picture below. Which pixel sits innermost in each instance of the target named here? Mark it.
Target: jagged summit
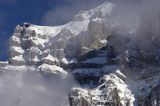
(40, 41)
(111, 68)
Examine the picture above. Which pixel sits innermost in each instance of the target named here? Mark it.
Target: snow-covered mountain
(111, 68)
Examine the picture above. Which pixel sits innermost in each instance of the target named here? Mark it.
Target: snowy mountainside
(111, 68)
(59, 41)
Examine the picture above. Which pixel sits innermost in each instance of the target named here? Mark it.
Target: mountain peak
(110, 67)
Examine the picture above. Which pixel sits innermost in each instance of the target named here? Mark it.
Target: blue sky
(41, 12)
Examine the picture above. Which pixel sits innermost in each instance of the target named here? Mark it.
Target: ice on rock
(113, 91)
(15, 51)
(17, 60)
(50, 70)
(65, 61)
(50, 60)
(15, 41)
(79, 97)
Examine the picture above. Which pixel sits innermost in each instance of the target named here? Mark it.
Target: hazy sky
(41, 12)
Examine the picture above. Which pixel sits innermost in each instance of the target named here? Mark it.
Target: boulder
(49, 70)
(17, 61)
(15, 41)
(15, 51)
(80, 97)
(18, 29)
(51, 60)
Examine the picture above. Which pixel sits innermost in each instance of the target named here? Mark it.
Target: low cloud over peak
(66, 12)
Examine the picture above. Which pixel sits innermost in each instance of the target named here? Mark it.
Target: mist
(66, 12)
(148, 31)
(30, 88)
(137, 20)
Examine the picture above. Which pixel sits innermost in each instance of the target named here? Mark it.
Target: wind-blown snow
(46, 30)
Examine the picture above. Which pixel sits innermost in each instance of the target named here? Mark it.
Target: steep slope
(111, 68)
(60, 41)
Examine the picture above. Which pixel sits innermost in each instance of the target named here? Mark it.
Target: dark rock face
(82, 101)
(131, 60)
(154, 97)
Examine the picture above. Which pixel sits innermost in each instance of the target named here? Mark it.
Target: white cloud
(67, 10)
(30, 88)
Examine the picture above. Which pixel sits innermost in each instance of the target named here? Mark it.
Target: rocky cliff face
(111, 68)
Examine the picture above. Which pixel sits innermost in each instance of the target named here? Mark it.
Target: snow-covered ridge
(99, 12)
(60, 41)
(74, 27)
